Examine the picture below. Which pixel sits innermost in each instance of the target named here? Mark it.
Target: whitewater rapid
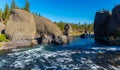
(77, 55)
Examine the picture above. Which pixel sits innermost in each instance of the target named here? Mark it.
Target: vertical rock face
(20, 26)
(107, 26)
(114, 23)
(68, 30)
(101, 24)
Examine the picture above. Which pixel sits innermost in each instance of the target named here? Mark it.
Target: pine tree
(13, 6)
(27, 6)
(39, 15)
(6, 13)
(0, 14)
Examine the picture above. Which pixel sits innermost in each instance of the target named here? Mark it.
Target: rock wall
(107, 26)
(114, 23)
(21, 25)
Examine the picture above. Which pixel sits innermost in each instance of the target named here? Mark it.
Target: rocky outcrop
(45, 26)
(107, 26)
(114, 23)
(20, 26)
(63, 39)
(68, 30)
(25, 29)
(2, 27)
(46, 39)
(48, 31)
(100, 23)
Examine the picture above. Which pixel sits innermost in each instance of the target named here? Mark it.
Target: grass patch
(3, 38)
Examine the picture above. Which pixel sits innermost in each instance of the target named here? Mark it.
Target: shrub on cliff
(2, 37)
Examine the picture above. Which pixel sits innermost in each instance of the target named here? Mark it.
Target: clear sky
(66, 10)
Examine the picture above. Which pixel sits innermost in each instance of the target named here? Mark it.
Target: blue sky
(73, 11)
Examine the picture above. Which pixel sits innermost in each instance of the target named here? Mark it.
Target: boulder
(101, 24)
(46, 39)
(45, 26)
(63, 39)
(114, 23)
(47, 31)
(107, 27)
(20, 26)
(68, 30)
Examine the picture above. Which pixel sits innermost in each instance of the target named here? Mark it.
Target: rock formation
(63, 39)
(107, 26)
(25, 29)
(45, 26)
(101, 22)
(114, 23)
(47, 30)
(2, 27)
(68, 30)
(20, 26)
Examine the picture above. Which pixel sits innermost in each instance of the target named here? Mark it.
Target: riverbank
(77, 54)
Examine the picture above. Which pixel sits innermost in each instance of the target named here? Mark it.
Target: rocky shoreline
(26, 29)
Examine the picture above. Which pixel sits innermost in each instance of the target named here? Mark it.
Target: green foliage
(13, 5)
(37, 14)
(76, 27)
(61, 25)
(27, 6)
(6, 13)
(0, 13)
(2, 37)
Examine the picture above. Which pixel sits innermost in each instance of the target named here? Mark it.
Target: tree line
(76, 27)
(4, 14)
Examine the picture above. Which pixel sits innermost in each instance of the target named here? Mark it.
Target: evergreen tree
(13, 6)
(0, 14)
(39, 15)
(6, 13)
(27, 6)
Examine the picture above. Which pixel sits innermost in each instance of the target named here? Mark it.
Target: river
(78, 54)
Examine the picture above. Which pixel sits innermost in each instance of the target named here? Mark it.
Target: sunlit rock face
(45, 26)
(21, 25)
(107, 26)
(68, 30)
(49, 32)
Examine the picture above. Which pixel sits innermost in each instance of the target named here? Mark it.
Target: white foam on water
(112, 67)
(14, 50)
(50, 60)
(62, 58)
(106, 48)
